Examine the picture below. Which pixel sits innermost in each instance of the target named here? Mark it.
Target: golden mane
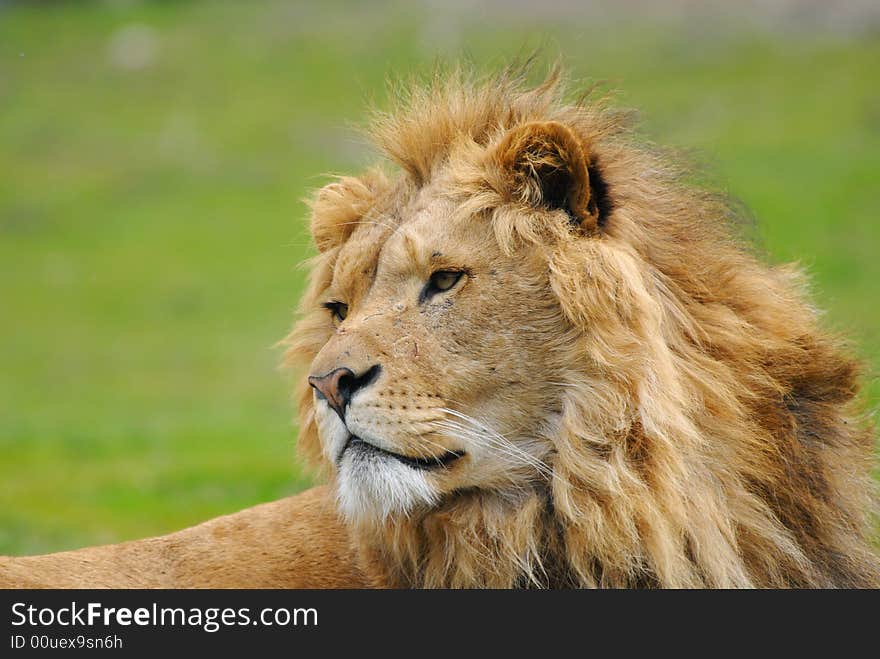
(710, 432)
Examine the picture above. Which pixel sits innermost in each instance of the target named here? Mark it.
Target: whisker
(390, 227)
(483, 433)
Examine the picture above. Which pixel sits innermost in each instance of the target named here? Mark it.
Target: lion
(536, 354)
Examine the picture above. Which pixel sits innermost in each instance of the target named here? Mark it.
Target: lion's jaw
(460, 399)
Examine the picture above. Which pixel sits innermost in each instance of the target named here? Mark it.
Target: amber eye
(445, 279)
(440, 281)
(339, 310)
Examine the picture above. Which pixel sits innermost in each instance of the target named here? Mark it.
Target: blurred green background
(152, 161)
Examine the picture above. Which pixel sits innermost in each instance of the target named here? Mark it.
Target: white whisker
(483, 434)
(390, 227)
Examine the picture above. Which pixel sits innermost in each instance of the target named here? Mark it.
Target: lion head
(537, 356)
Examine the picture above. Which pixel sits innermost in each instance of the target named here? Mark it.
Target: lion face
(439, 362)
(441, 369)
(446, 346)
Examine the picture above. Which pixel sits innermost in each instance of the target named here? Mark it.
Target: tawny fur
(295, 542)
(696, 425)
(710, 434)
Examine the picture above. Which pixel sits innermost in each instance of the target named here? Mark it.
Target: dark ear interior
(546, 165)
(600, 199)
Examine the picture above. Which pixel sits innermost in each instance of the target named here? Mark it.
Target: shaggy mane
(710, 432)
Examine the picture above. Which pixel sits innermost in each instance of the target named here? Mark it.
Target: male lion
(539, 357)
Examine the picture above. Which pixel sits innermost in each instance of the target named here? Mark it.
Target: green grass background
(151, 223)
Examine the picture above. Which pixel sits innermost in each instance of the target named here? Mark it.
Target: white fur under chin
(374, 487)
(369, 487)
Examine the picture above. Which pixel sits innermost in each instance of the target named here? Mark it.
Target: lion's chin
(372, 486)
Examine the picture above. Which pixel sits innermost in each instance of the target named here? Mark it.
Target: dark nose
(338, 386)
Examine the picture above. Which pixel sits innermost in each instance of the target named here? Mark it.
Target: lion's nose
(338, 386)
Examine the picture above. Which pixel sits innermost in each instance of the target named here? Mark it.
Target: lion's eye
(440, 281)
(339, 310)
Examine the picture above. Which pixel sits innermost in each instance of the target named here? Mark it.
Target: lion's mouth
(425, 463)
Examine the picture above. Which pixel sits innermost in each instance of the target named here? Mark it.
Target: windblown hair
(710, 432)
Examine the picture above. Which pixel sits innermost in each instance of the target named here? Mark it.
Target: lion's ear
(545, 164)
(339, 206)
